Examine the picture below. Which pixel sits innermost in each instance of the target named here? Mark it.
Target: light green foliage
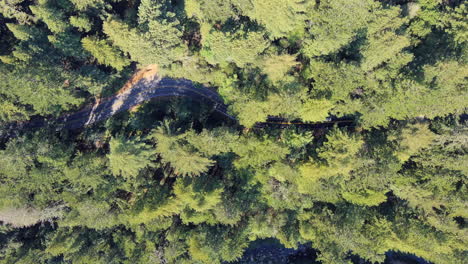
(322, 178)
(197, 201)
(340, 149)
(84, 4)
(276, 67)
(315, 110)
(128, 157)
(40, 87)
(81, 22)
(212, 142)
(455, 23)
(250, 112)
(52, 17)
(213, 244)
(174, 181)
(193, 8)
(359, 232)
(338, 80)
(87, 172)
(221, 48)
(412, 139)
(425, 15)
(21, 32)
(436, 185)
(179, 155)
(383, 40)
(449, 75)
(209, 10)
(149, 48)
(12, 112)
(280, 17)
(410, 99)
(105, 53)
(334, 24)
(32, 166)
(13, 9)
(366, 198)
(90, 213)
(433, 14)
(258, 152)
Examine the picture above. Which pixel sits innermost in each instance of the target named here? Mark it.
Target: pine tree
(160, 45)
(282, 18)
(172, 151)
(128, 157)
(82, 23)
(52, 17)
(105, 53)
(383, 40)
(334, 24)
(220, 48)
(277, 67)
(315, 110)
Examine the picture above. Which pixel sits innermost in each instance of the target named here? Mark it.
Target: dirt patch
(148, 73)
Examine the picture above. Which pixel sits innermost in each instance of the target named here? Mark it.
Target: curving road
(142, 91)
(145, 90)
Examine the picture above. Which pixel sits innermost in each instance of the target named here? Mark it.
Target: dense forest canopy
(173, 182)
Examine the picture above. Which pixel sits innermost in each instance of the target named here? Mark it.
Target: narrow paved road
(145, 90)
(142, 91)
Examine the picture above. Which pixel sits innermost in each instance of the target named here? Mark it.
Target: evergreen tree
(153, 47)
(128, 157)
(178, 155)
(105, 53)
(382, 35)
(281, 18)
(334, 24)
(220, 48)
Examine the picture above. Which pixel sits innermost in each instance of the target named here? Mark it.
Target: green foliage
(179, 155)
(335, 24)
(339, 81)
(276, 67)
(281, 18)
(340, 149)
(210, 11)
(220, 48)
(31, 170)
(383, 40)
(174, 181)
(84, 4)
(52, 17)
(213, 244)
(105, 53)
(436, 184)
(14, 9)
(412, 139)
(366, 198)
(147, 48)
(315, 110)
(81, 22)
(41, 88)
(128, 157)
(258, 152)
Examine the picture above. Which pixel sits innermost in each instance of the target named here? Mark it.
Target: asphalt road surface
(146, 90)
